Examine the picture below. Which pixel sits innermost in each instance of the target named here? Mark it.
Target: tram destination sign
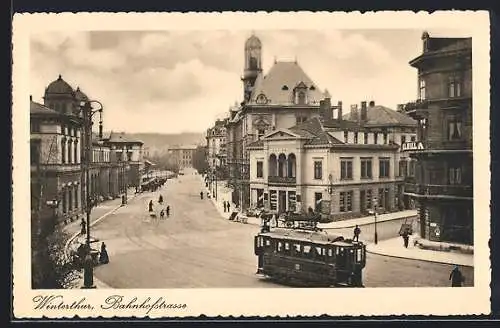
(411, 146)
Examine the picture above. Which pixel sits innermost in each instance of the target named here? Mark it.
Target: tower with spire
(253, 64)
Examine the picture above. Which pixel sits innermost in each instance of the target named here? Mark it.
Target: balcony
(281, 180)
(439, 191)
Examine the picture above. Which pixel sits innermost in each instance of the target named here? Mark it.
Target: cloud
(181, 81)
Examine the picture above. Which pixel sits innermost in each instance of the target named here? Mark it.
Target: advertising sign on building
(412, 146)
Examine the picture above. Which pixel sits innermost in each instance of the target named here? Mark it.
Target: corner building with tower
(443, 187)
(280, 99)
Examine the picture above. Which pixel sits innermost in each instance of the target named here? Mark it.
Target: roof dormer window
(312, 88)
(284, 88)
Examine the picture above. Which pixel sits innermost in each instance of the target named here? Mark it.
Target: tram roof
(306, 236)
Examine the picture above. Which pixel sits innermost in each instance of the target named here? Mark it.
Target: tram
(301, 252)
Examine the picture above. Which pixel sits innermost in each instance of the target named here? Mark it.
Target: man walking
(357, 231)
(83, 231)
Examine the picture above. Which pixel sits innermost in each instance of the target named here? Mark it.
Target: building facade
(443, 186)
(183, 155)
(56, 154)
(216, 144)
(341, 167)
(282, 98)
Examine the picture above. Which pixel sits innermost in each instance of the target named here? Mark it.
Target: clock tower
(253, 64)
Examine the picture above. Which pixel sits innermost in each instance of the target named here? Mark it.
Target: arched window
(252, 63)
(301, 99)
(272, 165)
(282, 165)
(292, 166)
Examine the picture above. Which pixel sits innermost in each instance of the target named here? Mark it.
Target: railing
(439, 190)
(414, 105)
(281, 180)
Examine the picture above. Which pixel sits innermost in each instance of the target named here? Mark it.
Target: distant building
(342, 167)
(216, 144)
(444, 177)
(284, 97)
(183, 155)
(129, 151)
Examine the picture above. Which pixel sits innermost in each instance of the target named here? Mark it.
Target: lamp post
(88, 113)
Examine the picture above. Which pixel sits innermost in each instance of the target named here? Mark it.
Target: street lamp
(88, 113)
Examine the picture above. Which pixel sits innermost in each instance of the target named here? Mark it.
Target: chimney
(31, 98)
(372, 104)
(363, 112)
(339, 111)
(325, 109)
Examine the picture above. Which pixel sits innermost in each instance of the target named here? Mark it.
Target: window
(301, 119)
(35, 126)
(455, 175)
(345, 201)
(35, 152)
(385, 138)
(403, 139)
(345, 169)
(318, 170)
(261, 133)
(129, 156)
(454, 87)
(301, 99)
(63, 151)
(260, 169)
(366, 168)
(375, 138)
(454, 130)
(75, 150)
(421, 91)
(346, 136)
(366, 138)
(411, 168)
(413, 138)
(402, 167)
(318, 197)
(355, 137)
(369, 198)
(70, 152)
(384, 166)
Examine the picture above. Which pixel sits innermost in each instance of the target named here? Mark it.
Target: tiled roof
(384, 116)
(36, 108)
(122, 137)
(314, 131)
(257, 144)
(279, 83)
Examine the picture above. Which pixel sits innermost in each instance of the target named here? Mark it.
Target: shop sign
(413, 145)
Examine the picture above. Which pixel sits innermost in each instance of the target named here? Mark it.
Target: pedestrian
(456, 277)
(103, 256)
(168, 211)
(357, 231)
(162, 214)
(225, 206)
(151, 206)
(201, 194)
(406, 238)
(160, 200)
(84, 227)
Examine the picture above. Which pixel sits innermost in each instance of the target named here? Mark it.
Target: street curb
(414, 259)
(369, 223)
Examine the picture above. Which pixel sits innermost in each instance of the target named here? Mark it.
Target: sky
(181, 81)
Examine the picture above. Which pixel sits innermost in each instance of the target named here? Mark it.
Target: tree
(200, 162)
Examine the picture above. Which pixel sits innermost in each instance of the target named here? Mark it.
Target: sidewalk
(351, 223)
(98, 213)
(394, 248)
